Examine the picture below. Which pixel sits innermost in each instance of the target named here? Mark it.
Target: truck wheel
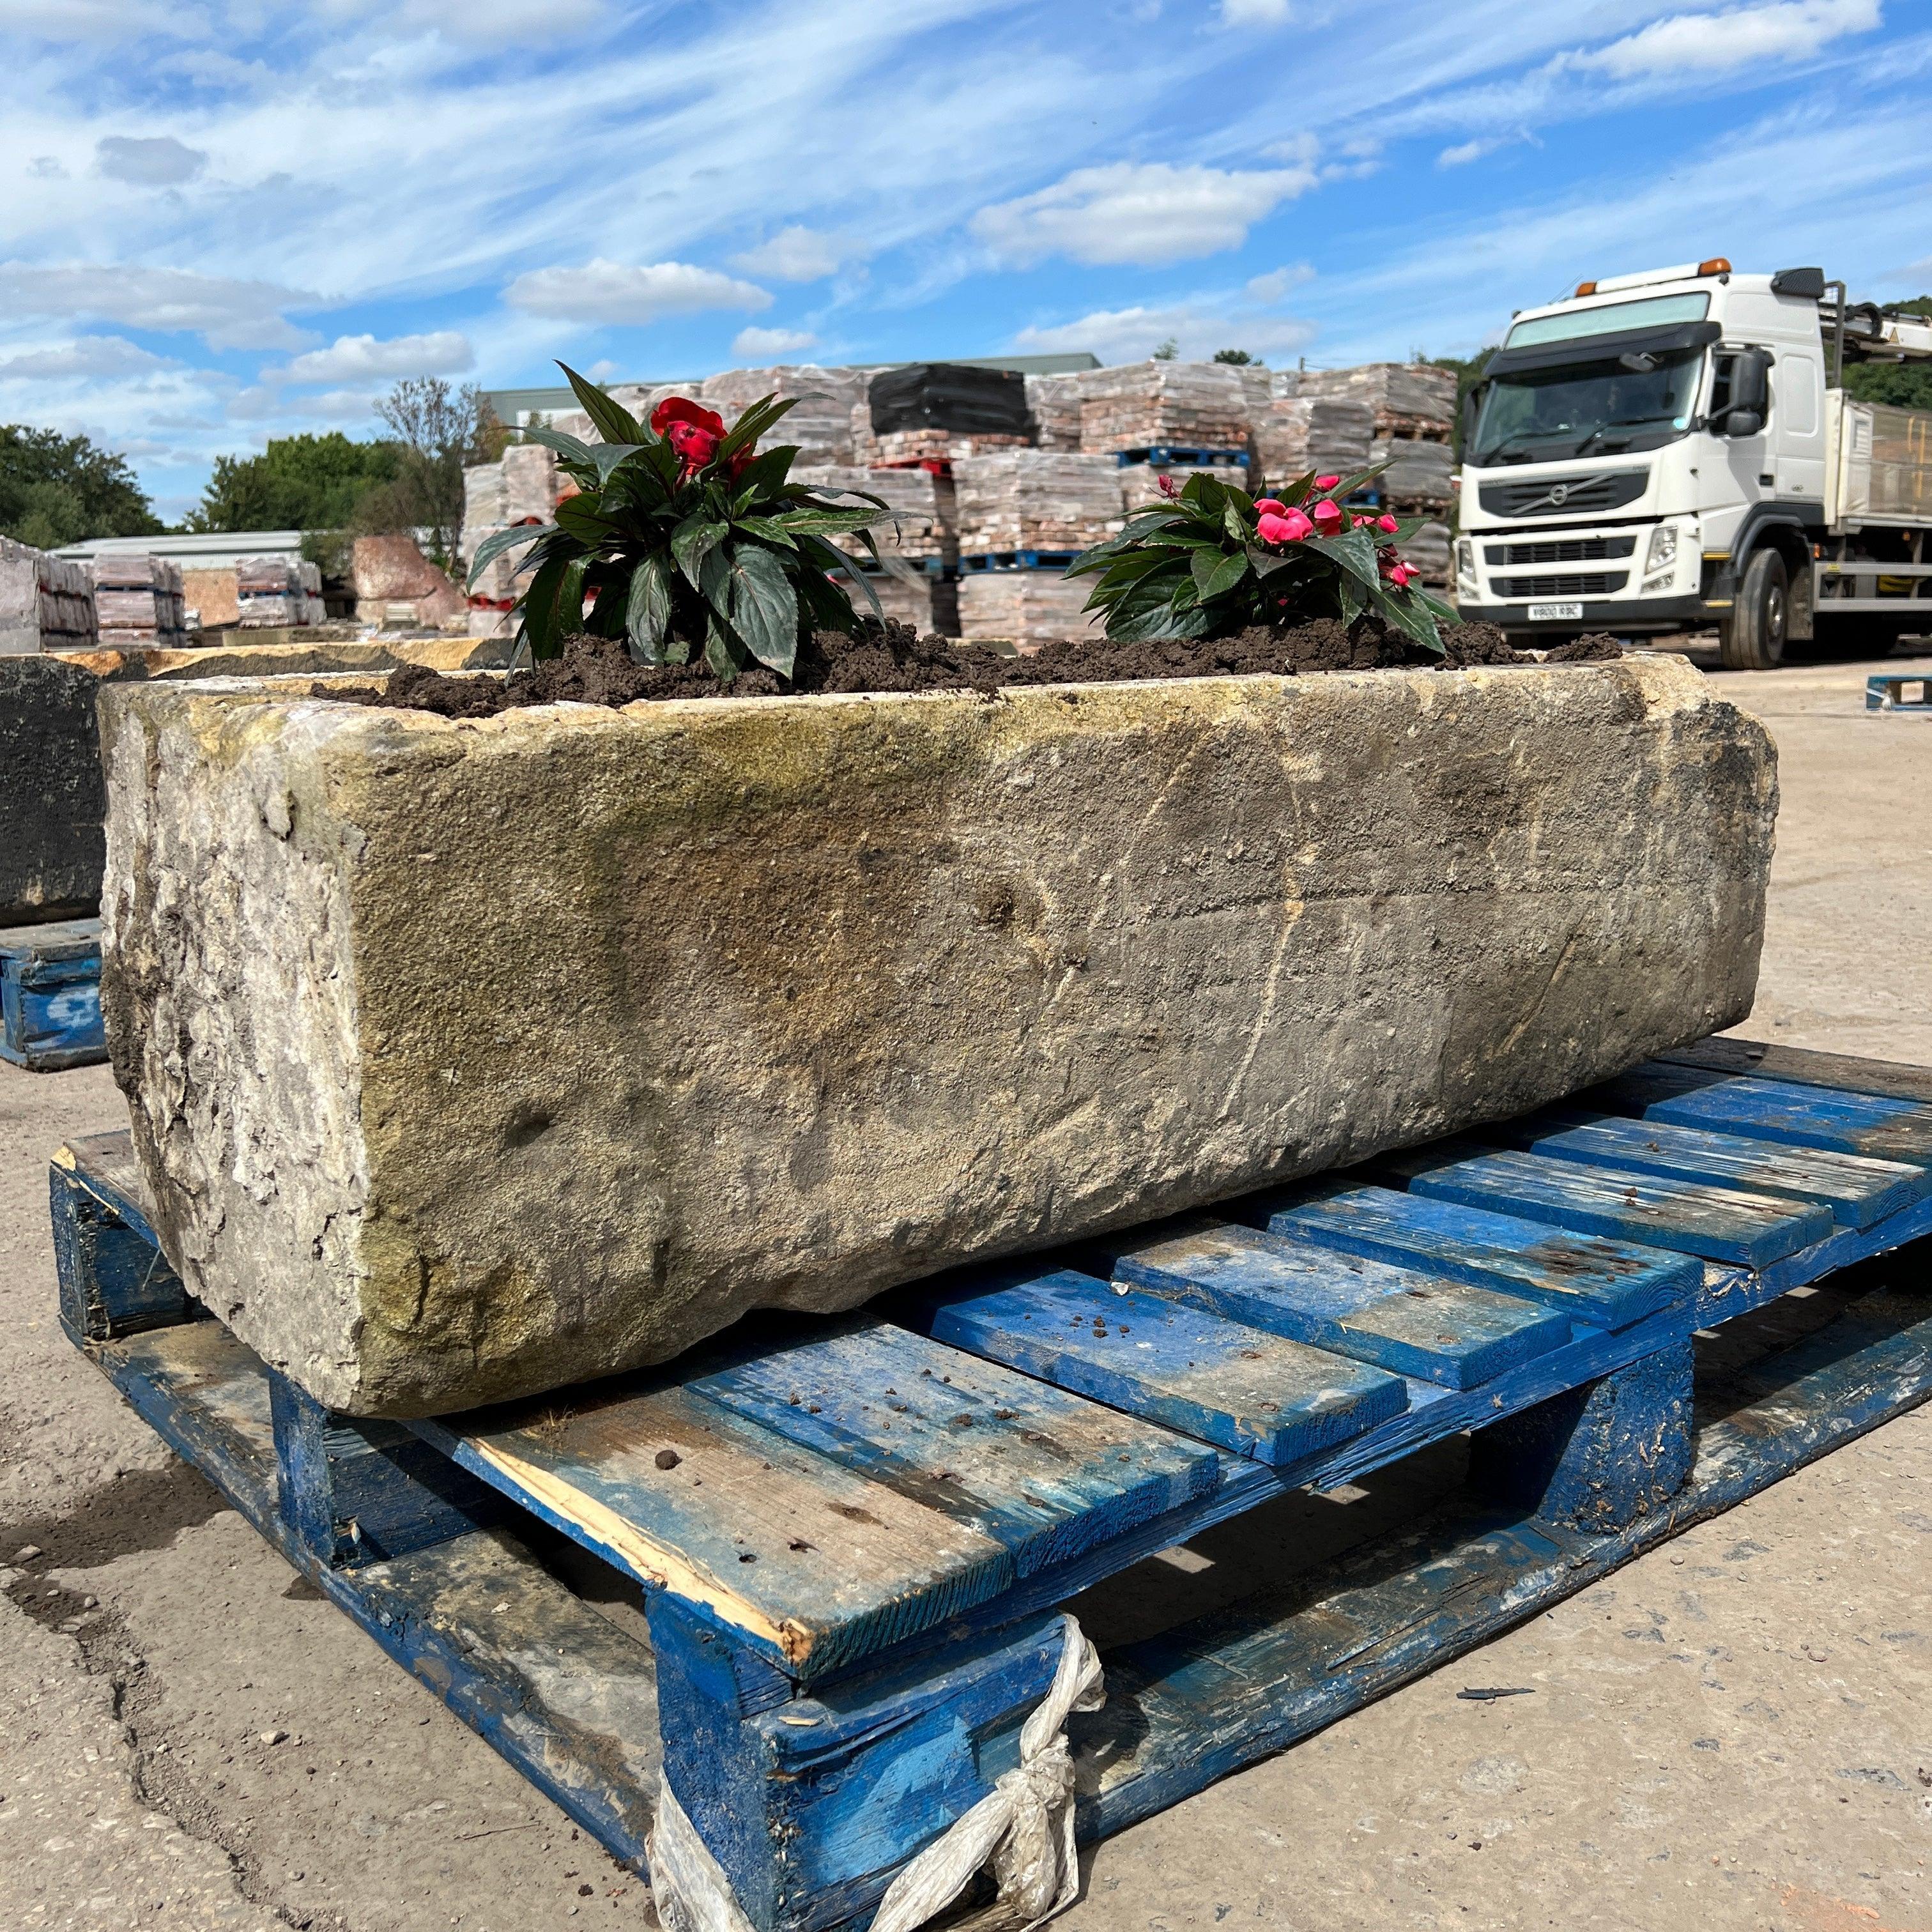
(1753, 637)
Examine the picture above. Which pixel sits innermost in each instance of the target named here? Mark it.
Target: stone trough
(470, 1058)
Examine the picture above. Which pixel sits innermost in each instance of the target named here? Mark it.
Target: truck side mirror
(1750, 394)
(1472, 404)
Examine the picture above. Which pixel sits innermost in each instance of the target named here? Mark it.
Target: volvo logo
(1559, 493)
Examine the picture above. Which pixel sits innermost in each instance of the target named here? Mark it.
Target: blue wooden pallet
(1165, 454)
(850, 1538)
(1887, 691)
(50, 995)
(1017, 560)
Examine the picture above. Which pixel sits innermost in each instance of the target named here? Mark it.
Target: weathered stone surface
(51, 795)
(260, 658)
(467, 1059)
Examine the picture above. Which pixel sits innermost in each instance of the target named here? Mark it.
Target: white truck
(1666, 451)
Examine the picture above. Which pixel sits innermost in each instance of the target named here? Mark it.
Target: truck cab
(1666, 451)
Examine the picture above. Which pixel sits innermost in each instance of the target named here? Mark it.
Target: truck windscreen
(1630, 401)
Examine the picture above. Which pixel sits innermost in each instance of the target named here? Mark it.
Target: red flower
(1326, 482)
(1167, 486)
(682, 409)
(697, 446)
(1327, 515)
(1283, 527)
(1269, 506)
(1387, 522)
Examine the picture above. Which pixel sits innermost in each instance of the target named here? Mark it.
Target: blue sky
(228, 221)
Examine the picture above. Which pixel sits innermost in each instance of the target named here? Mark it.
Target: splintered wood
(1031, 607)
(1035, 499)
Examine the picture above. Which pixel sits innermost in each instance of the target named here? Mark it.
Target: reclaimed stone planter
(470, 1058)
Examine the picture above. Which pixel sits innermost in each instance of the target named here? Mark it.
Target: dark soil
(893, 657)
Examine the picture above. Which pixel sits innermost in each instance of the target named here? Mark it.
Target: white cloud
(92, 355)
(356, 358)
(154, 160)
(1273, 286)
(797, 254)
(1198, 326)
(1147, 213)
(490, 21)
(759, 345)
(1737, 36)
(1255, 12)
(225, 312)
(608, 292)
(1466, 151)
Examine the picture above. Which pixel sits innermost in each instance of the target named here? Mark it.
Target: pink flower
(1167, 486)
(1270, 506)
(1400, 575)
(1358, 523)
(1326, 483)
(1327, 515)
(1387, 522)
(1284, 527)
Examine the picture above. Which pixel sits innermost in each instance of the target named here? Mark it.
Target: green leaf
(582, 516)
(721, 657)
(539, 608)
(498, 541)
(611, 420)
(607, 456)
(768, 530)
(692, 541)
(1353, 550)
(753, 424)
(764, 476)
(830, 522)
(1296, 493)
(764, 610)
(570, 599)
(566, 446)
(714, 581)
(1222, 578)
(647, 609)
(1406, 615)
(1355, 595)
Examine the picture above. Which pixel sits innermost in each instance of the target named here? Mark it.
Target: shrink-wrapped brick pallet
(821, 424)
(1428, 552)
(276, 592)
(1294, 434)
(1032, 607)
(1035, 499)
(921, 524)
(1140, 482)
(1416, 400)
(137, 602)
(1054, 403)
(1178, 405)
(870, 446)
(47, 604)
(1418, 473)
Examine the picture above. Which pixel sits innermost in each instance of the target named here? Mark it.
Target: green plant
(691, 540)
(1212, 560)
(1239, 357)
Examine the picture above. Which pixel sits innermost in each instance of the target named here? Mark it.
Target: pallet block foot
(1598, 1457)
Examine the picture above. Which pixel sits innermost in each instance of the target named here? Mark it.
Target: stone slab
(51, 795)
(469, 1058)
(321, 657)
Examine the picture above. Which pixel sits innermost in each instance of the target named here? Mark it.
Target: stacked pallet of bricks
(520, 489)
(920, 522)
(47, 604)
(1296, 432)
(871, 446)
(1035, 499)
(1030, 607)
(927, 601)
(1053, 404)
(1195, 406)
(274, 593)
(820, 425)
(1142, 483)
(137, 602)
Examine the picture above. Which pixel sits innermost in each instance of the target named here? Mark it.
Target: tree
(56, 490)
(1238, 356)
(439, 432)
(1905, 385)
(1468, 372)
(1168, 351)
(297, 483)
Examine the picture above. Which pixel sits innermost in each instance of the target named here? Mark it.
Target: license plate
(1555, 613)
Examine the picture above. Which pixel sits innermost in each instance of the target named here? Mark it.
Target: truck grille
(1565, 495)
(1575, 550)
(1603, 584)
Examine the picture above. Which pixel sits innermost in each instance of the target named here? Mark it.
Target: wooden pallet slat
(1399, 1319)
(1045, 1473)
(1723, 1224)
(50, 995)
(1724, 1054)
(1783, 1110)
(1605, 1283)
(1860, 1192)
(1255, 1394)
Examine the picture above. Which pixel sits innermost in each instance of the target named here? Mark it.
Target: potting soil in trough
(893, 657)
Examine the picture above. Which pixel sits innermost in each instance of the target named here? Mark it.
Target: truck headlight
(1662, 553)
(1466, 567)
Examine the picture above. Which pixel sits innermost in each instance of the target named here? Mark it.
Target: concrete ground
(1734, 1732)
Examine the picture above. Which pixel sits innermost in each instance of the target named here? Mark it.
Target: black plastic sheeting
(950, 396)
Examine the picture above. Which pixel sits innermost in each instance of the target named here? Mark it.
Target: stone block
(51, 795)
(469, 1058)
